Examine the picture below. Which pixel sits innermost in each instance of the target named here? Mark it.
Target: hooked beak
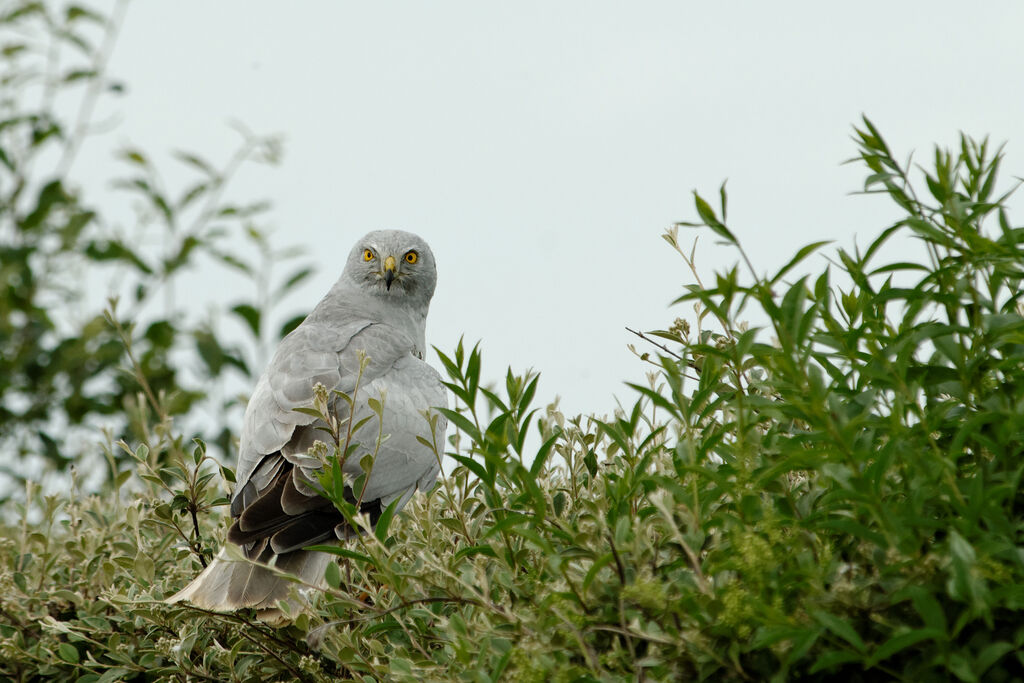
(389, 271)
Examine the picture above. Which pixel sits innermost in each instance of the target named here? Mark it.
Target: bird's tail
(228, 584)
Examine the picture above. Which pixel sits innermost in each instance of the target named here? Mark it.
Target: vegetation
(833, 496)
(60, 359)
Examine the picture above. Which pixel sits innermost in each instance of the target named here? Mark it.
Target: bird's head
(393, 263)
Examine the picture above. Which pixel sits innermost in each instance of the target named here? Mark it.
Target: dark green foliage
(877, 440)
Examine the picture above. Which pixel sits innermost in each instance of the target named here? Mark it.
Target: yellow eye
(367, 255)
(411, 257)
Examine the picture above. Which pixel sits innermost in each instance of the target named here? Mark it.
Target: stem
(196, 545)
(659, 345)
(618, 561)
(140, 376)
(96, 84)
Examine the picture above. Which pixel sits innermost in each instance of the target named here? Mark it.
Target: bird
(369, 329)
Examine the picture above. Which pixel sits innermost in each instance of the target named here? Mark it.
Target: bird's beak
(389, 271)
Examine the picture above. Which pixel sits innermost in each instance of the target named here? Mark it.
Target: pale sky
(542, 147)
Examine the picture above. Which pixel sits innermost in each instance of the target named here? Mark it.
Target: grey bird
(378, 307)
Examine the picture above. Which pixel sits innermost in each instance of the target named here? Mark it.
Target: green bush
(840, 502)
(835, 496)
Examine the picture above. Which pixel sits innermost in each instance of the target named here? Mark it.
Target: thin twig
(96, 86)
(140, 376)
(299, 676)
(618, 561)
(660, 346)
(689, 363)
(231, 616)
(376, 614)
(197, 547)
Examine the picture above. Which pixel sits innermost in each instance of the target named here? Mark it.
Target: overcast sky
(542, 147)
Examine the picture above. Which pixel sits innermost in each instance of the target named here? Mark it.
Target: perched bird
(378, 307)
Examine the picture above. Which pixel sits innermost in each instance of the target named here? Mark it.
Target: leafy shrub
(842, 501)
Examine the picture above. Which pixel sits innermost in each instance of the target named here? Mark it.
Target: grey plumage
(378, 306)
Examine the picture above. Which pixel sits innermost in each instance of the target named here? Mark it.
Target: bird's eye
(411, 257)
(367, 255)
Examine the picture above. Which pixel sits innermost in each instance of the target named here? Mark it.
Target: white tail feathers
(232, 582)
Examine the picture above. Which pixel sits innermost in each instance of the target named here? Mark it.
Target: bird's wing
(403, 463)
(276, 496)
(313, 353)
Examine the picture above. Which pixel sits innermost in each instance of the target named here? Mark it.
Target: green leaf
(144, 567)
(929, 608)
(590, 462)
(833, 658)
(332, 574)
(9, 50)
(962, 668)
(290, 325)
(76, 12)
(558, 503)
(902, 641)
(342, 552)
(463, 423)
(839, 627)
(79, 74)
(543, 452)
(197, 163)
(228, 474)
(68, 653)
(803, 253)
(376, 407)
(251, 315)
(294, 280)
(234, 262)
(114, 674)
(476, 468)
(991, 654)
(707, 215)
(114, 250)
(597, 566)
(511, 521)
(51, 195)
(133, 156)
